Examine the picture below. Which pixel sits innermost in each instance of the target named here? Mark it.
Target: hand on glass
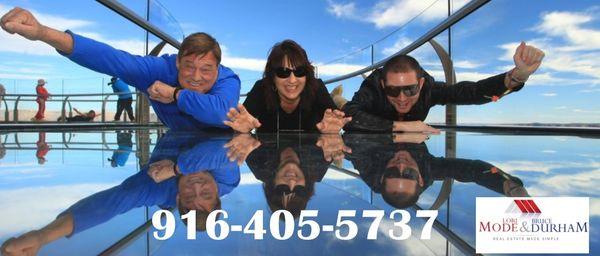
(414, 126)
(410, 137)
(333, 147)
(240, 147)
(241, 120)
(333, 121)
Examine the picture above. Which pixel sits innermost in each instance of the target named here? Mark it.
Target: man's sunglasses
(282, 72)
(408, 173)
(394, 91)
(285, 190)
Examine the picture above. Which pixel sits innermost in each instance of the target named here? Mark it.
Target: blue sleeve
(211, 108)
(138, 71)
(206, 155)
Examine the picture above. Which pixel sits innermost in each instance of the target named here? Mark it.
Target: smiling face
(198, 191)
(402, 103)
(197, 72)
(289, 172)
(290, 88)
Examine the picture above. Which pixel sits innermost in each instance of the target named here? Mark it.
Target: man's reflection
(401, 171)
(125, 147)
(187, 171)
(289, 165)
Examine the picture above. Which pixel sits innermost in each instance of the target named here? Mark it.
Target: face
(402, 175)
(197, 72)
(198, 191)
(403, 103)
(289, 172)
(290, 88)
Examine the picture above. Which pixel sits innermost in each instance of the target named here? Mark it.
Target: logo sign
(532, 225)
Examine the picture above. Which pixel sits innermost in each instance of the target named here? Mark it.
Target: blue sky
(563, 90)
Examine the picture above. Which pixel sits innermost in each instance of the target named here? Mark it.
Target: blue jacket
(193, 110)
(120, 86)
(191, 152)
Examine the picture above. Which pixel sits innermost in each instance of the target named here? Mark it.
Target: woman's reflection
(289, 165)
(187, 171)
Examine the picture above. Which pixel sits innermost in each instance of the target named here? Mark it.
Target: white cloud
(568, 25)
(568, 184)
(542, 166)
(550, 94)
(347, 10)
(389, 13)
(337, 69)
(466, 64)
(569, 48)
(26, 209)
(398, 12)
(398, 45)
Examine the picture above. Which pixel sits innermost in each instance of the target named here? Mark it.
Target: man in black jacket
(398, 96)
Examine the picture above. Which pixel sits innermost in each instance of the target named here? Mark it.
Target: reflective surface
(101, 189)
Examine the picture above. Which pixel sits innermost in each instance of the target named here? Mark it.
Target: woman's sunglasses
(285, 190)
(408, 90)
(282, 72)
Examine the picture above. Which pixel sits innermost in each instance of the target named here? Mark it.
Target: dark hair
(401, 200)
(402, 63)
(200, 43)
(297, 58)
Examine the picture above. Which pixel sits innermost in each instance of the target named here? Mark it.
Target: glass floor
(90, 193)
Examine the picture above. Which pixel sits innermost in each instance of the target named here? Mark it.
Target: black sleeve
(323, 97)
(466, 170)
(360, 108)
(466, 92)
(255, 99)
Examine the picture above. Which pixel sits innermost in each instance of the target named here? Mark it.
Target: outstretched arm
(22, 22)
(30, 243)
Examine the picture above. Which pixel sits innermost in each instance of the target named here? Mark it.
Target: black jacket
(305, 117)
(372, 112)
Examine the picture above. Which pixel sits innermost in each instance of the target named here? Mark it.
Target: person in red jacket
(42, 96)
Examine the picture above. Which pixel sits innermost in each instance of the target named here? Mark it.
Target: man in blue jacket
(188, 91)
(125, 98)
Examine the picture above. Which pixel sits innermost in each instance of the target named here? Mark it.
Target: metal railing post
(16, 110)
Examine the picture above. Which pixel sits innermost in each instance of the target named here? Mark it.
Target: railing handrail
(70, 95)
(451, 20)
(136, 19)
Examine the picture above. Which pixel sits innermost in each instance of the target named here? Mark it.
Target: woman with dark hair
(289, 97)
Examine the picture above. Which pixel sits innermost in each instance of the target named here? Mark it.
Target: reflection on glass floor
(106, 186)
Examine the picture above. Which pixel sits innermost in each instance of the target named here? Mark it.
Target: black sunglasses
(394, 91)
(285, 190)
(408, 173)
(282, 72)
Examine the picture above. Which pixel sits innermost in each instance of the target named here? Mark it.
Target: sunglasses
(394, 91)
(408, 173)
(282, 72)
(285, 190)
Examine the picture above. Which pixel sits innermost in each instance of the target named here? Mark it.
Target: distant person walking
(42, 97)
(125, 99)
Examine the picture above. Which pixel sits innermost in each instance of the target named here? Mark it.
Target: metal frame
(451, 20)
